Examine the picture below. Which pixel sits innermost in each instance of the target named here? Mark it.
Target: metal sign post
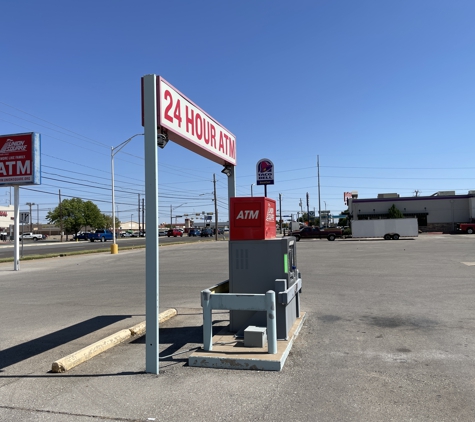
(151, 243)
(183, 122)
(16, 223)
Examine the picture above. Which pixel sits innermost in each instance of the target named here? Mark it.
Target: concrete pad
(229, 353)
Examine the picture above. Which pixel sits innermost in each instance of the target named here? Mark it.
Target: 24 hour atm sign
(191, 127)
(20, 159)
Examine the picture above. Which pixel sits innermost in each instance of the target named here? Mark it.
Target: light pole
(131, 216)
(114, 151)
(251, 189)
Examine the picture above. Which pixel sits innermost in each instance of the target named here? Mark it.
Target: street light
(114, 151)
(252, 184)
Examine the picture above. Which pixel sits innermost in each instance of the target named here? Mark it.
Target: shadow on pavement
(39, 345)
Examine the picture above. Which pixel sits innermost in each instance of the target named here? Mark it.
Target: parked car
(126, 234)
(220, 231)
(206, 233)
(194, 232)
(174, 233)
(162, 232)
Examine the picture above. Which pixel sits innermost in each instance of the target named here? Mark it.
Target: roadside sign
(24, 217)
(20, 159)
(265, 172)
(189, 126)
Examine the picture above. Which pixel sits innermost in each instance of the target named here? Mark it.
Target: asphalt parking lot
(389, 336)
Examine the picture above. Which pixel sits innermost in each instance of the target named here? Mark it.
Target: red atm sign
(20, 159)
(252, 218)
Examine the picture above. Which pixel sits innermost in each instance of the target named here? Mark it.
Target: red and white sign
(346, 196)
(252, 218)
(20, 159)
(191, 127)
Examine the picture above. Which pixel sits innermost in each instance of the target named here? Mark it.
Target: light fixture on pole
(162, 140)
(227, 170)
(114, 151)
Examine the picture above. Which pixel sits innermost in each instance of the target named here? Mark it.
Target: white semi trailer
(388, 229)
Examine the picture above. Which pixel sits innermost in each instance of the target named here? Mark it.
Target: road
(31, 247)
(388, 337)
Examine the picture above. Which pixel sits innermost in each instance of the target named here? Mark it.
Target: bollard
(114, 248)
(207, 320)
(271, 323)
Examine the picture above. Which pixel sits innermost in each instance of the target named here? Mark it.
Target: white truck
(34, 236)
(388, 229)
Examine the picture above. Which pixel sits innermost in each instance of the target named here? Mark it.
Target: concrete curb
(88, 352)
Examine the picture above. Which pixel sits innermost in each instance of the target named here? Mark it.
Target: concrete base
(229, 353)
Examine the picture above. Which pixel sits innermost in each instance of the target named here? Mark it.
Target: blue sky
(381, 91)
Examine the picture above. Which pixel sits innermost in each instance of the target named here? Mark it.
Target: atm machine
(258, 262)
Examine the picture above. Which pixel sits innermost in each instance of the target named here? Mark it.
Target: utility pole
(140, 231)
(280, 213)
(143, 214)
(318, 177)
(60, 215)
(30, 204)
(215, 209)
(308, 210)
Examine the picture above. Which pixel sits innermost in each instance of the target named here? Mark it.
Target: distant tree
(108, 222)
(417, 192)
(393, 212)
(93, 216)
(72, 214)
(344, 221)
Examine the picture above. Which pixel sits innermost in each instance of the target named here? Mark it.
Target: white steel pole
(151, 244)
(16, 238)
(113, 197)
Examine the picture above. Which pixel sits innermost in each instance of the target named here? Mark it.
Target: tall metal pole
(140, 229)
(152, 277)
(251, 189)
(308, 210)
(16, 222)
(318, 176)
(114, 239)
(143, 215)
(60, 215)
(280, 212)
(215, 209)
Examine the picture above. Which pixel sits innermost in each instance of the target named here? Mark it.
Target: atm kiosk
(259, 262)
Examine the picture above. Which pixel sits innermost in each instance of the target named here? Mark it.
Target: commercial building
(439, 212)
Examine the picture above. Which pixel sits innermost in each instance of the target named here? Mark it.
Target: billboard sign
(189, 126)
(20, 159)
(265, 172)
